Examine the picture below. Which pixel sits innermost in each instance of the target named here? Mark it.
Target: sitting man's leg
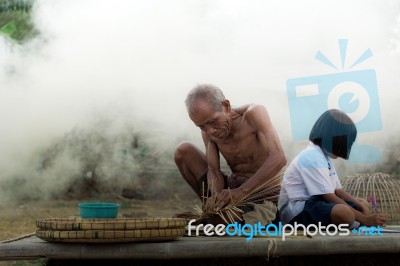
(192, 164)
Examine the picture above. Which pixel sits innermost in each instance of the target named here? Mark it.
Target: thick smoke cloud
(133, 62)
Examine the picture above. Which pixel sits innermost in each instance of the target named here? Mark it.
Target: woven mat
(68, 224)
(109, 236)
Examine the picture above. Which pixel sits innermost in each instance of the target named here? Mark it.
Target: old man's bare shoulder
(250, 119)
(243, 151)
(253, 114)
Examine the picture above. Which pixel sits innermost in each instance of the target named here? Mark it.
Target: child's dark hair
(334, 132)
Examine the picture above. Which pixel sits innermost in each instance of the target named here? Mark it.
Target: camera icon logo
(353, 92)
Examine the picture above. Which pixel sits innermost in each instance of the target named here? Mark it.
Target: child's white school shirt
(310, 173)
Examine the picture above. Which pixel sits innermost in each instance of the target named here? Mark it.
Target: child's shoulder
(311, 158)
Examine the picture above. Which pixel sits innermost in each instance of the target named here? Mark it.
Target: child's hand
(376, 219)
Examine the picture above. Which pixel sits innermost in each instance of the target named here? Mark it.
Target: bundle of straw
(269, 190)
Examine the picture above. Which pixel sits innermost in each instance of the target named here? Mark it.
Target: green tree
(16, 20)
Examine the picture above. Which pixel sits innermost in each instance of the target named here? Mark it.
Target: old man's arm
(215, 178)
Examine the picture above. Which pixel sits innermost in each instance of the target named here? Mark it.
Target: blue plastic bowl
(98, 210)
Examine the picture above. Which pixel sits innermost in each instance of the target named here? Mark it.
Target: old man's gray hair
(210, 93)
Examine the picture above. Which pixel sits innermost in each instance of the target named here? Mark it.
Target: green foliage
(8, 29)
(16, 20)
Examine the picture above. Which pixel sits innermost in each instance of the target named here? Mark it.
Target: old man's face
(216, 124)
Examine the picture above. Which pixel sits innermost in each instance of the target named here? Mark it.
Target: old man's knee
(183, 150)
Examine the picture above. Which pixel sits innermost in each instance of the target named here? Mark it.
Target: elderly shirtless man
(246, 139)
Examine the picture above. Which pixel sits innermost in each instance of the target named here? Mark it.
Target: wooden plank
(202, 247)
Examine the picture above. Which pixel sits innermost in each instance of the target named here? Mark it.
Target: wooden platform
(202, 247)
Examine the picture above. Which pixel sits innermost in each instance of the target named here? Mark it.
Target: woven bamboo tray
(69, 224)
(82, 230)
(110, 236)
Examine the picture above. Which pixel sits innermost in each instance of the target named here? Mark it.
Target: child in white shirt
(311, 191)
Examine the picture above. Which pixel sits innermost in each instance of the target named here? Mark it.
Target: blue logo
(353, 92)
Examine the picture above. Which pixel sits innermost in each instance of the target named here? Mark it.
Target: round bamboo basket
(67, 224)
(110, 230)
(384, 188)
(111, 236)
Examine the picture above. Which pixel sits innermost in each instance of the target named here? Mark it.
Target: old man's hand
(228, 197)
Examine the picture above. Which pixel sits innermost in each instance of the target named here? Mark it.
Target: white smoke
(135, 61)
